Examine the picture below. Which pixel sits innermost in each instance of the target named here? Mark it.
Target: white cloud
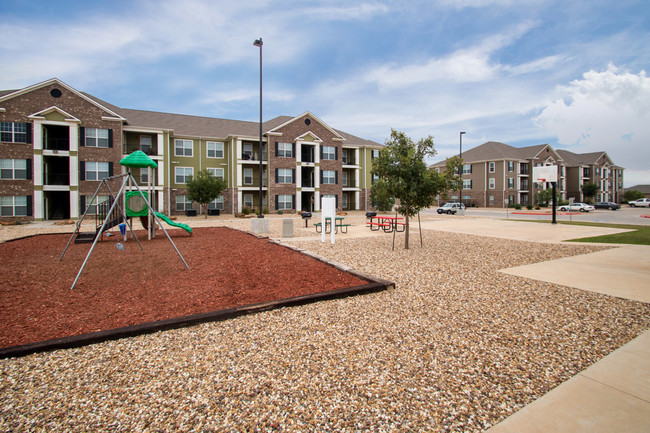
(607, 111)
(468, 65)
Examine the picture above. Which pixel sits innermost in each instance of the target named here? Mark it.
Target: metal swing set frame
(127, 179)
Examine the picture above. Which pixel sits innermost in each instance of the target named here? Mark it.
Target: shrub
(529, 206)
(246, 211)
(518, 206)
(265, 210)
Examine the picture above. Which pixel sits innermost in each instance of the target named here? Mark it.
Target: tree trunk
(406, 238)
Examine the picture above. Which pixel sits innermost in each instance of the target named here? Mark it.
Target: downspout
(169, 181)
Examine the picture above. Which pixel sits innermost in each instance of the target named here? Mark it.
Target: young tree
(404, 175)
(590, 190)
(203, 188)
(451, 177)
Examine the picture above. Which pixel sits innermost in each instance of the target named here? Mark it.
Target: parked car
(642, 202)
(607, 205)
(451, 208)
(582, 207)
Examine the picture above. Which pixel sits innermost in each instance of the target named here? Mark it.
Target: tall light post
(460, 169)
(259, 43)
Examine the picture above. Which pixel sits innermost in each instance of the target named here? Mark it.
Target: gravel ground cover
(456, 346)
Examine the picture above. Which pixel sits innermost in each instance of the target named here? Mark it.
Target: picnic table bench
(387, 223)
(338, 224)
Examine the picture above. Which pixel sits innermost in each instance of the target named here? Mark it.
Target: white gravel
(456, 346)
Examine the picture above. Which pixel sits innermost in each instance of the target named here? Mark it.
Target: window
(344, 156)
(329, 177)
(248, 176)
(214, 149)
(511, 166)
(511, 182)
(13, 205)
(216, 172)
(561, 170)
(344, 178)
(467, 197)
(95, 137)
(284, 175)
(96, 170)
(183, 148)
(492, 167)
(344, 201)
(285, 150)
(491, 200)
(13, 169)
(329, 152)
(492, 183)
(523, 168)
(524, 184)
(92, 207)
(467, 183)
(144, 175)
(375, 178)
(13, 132)
(182, 203)
(284, 202)
(585, 172)
(217, 203)
(597, 171)
(467, 168)
(374, 154)
(248, 201)
(183, 174)
(248, 151)
(145, 144)
(511, 199)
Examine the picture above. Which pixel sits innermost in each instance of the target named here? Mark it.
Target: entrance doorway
(307, 200)
(57, 205)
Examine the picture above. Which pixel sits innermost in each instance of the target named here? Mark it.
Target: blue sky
(522, 72)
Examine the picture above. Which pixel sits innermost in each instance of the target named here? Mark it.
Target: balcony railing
(57, 144)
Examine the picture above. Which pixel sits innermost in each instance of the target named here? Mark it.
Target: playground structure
(111, 213)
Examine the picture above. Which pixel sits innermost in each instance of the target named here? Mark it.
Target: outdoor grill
(306, 216)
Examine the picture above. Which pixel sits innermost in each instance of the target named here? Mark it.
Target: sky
(568, 73)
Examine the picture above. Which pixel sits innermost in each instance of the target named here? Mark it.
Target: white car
(582, 207)
(642, 202)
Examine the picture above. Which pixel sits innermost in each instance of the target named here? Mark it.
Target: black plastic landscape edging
(374, 285)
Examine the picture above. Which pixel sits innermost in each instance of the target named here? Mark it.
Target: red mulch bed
(228, 268)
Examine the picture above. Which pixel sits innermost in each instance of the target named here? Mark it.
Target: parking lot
(625, 215)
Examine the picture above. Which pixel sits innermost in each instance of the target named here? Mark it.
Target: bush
(537, 208)
(512, 205)
(529, 206)
(518, 206)
(246, 211)
(265, 210)
(280, 212)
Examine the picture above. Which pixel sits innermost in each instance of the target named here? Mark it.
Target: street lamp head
(258, 42)
(462, 132)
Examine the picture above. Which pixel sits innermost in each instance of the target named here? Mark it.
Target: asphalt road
(625, 215)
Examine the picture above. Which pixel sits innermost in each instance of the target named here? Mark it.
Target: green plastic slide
(165, 218)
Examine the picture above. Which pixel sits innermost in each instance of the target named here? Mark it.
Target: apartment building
(58, 143)
(496, 174)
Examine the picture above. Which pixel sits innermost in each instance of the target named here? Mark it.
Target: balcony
(523, 169)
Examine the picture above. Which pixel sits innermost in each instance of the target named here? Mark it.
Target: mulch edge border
(374, 285)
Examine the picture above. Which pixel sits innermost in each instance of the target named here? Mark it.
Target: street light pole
(460, 169)
(259, 43)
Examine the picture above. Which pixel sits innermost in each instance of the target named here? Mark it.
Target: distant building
(58, 143)
(496, 174)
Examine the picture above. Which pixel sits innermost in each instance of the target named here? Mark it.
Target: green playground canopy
(138, 159)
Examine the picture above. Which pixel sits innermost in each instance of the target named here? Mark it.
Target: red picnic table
(387, 223)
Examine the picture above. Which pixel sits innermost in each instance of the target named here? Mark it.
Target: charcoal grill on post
(306, 216)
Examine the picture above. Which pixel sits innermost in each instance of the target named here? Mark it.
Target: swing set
(111, 213)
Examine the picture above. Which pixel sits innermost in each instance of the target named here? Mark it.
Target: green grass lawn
(639, 236)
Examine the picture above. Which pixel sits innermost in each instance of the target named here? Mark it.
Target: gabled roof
(574, 159)
(53, 109)
(643, 188)
(16, 93)
(307, 113)
(182, 124)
